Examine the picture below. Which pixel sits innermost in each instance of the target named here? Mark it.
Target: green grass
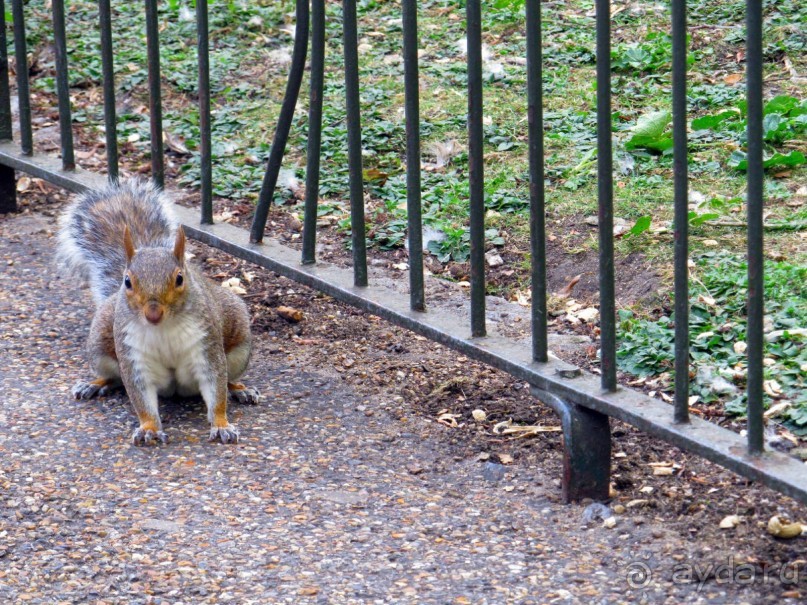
(718, 337)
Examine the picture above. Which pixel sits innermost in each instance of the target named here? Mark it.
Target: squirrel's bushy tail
(91, 231)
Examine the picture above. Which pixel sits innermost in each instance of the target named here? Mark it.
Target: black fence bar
(535, 122)
(413, 194)
(353, 103)
(205, 144)
(6, 126)
(8, 185)
(108, 69)
(680, 177)
(476, 168)
(23, 87)
(155, 95)
(605, 195)
(314, 131)
(63, 87)
(754, 202)
(283, 122)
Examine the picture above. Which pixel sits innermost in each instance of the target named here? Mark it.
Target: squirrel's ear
(128, 244)
(179, 246)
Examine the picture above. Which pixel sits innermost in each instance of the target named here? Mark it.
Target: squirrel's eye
(179, 280)
(127, 282)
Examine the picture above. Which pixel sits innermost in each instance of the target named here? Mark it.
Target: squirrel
(159, 327)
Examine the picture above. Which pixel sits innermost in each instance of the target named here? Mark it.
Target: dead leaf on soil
(637, 503)
(448, 419)
(479, 415)
(223, 217)
(519, 432)
(175, 143)
(776, 410)
(290, 314)
(505, 458)
(234, 285)
(308, 591)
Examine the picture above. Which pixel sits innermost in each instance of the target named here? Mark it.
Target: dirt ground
(363, 477)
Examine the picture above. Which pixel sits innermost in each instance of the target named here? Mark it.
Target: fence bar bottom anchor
(587, 449)
(8, 190)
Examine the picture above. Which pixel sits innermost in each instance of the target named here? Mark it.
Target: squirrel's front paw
(143, 436)
(244, 394)
(89, 389)
(227, 434)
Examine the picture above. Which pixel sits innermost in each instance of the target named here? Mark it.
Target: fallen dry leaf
(290, 314)
(234, 285)
(479, 415)
(505, 458)
(308, 591)
(448, 419)
(776, 410)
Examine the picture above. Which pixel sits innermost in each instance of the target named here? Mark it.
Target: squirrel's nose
(153, 312)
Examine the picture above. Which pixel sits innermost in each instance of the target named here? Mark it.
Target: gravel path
(325, 500)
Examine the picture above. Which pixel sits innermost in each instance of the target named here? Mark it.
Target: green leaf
(794, 158)
(782, 104)
(696, 219)
(649, 132)
(711, 122)
(642, 224)
(652, 125)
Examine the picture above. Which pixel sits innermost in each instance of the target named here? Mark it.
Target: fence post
(476, 165)
(205, 144)
(314, 147)
(63, 87)
(8, 185)
(155, 95)
(413, 184)
(681, 203)
(23, 87)
(605, 197)
(353, 107)
(756, 281)
(108, 67)
(586, 449)
(535, 121)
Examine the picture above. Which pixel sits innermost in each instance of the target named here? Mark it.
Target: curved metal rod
(283, 123)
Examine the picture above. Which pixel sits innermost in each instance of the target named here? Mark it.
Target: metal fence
(583, 401)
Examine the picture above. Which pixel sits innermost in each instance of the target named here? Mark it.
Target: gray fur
(91, 231)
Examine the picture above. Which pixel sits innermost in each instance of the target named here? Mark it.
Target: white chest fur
(171, 355)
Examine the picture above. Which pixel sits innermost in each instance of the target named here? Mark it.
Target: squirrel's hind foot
(244, 394)
(94, 388)
(143, 436)
(227, 434)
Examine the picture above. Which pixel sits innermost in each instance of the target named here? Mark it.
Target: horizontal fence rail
(585, 402)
